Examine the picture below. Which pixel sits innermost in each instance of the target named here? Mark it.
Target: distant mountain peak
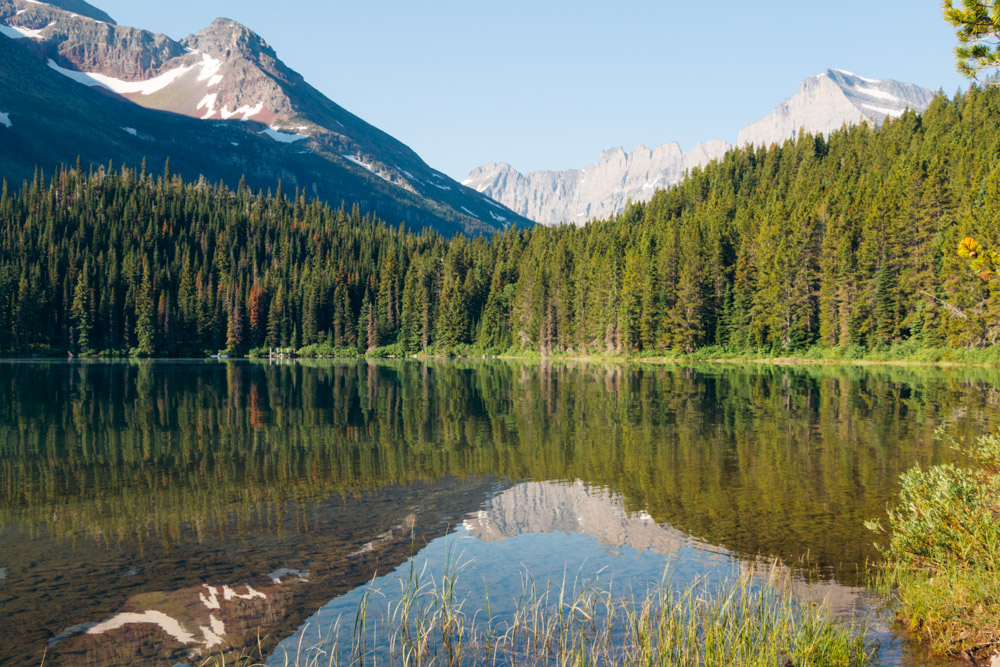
(828, 101)
(227, 37)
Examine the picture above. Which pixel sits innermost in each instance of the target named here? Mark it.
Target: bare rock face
(74, 34)
(828, 101)
(824, 104)
(597, 191)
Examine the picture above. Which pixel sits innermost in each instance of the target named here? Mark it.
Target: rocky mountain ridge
(824, 103)
(229, 77)
(597, 191)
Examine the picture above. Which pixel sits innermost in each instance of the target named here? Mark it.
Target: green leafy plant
(943, 552)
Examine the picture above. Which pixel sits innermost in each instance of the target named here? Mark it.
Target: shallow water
(161, 511)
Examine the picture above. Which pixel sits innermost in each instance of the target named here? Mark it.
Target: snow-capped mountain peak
(828, 101)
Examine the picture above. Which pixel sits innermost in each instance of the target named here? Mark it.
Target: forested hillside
(838, 242)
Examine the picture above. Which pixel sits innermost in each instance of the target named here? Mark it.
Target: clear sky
(548, 84)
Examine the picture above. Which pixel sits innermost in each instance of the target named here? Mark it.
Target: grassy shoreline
(903, 354)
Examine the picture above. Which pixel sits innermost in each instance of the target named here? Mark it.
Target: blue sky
(550, 84)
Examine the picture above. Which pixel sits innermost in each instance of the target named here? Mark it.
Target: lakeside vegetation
(746, 620)
(943, 553)
(843, 243)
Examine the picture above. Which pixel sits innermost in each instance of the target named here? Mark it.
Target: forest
(840, 242)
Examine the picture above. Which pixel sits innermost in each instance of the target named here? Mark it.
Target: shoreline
(557, 358)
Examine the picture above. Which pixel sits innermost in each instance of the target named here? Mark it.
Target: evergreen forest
(839, 242)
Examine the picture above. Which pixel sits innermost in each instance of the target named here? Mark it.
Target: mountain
(828, 101)
(219, 103)
(598, 190)
(824, 103)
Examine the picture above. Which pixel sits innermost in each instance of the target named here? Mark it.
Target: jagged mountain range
(824, 103)
(219, 103)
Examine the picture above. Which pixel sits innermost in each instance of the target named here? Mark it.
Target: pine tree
(144, 329)
(80, 312)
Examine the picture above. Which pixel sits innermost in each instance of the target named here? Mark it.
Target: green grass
(742, 621)
(907, 352)
(943, 553)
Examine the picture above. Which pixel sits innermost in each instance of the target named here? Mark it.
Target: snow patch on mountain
(367, 165)
(895, 113)
(17, 32)
(283, 137)
(147, 87)
(875, 92)
(246, 110)
(851, 74)
(208, 103)
(210, 70)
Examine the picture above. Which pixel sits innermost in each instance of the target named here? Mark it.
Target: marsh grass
(742, 621)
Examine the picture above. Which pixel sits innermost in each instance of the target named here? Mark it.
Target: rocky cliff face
(228, 73)
(825, 103)
(828, 101)
(599, 190)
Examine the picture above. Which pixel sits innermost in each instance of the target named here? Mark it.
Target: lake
(159, 512)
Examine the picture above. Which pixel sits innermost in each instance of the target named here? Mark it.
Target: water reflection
(535, 508)
(560, 537)
(128, 486)
(553, 541)
(125, 603)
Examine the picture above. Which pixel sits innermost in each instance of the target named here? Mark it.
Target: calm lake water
(156, 512)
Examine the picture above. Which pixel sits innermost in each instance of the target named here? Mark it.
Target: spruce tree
(145, 332)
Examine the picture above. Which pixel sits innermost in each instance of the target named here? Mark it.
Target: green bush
(394, 350)
(327, 351)
(943, 552)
